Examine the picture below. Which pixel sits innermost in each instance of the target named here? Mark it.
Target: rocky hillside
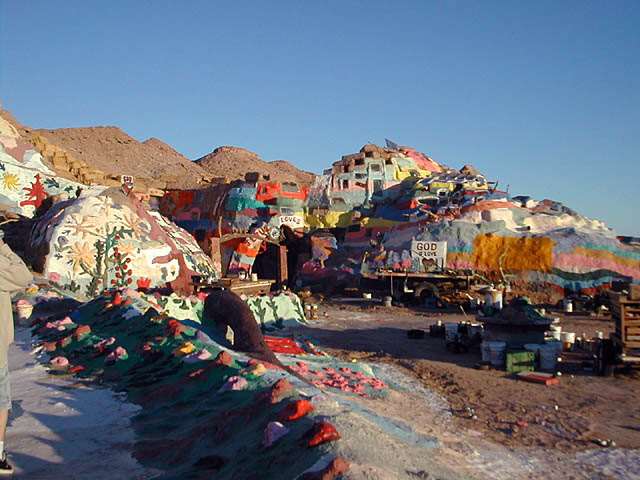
(234, 162)
(115, 152)
(154, 163)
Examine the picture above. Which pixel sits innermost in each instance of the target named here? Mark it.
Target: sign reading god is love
(434, 252)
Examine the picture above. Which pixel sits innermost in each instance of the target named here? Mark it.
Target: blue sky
(543, 96)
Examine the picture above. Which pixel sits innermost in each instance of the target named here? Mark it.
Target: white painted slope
(59, 430)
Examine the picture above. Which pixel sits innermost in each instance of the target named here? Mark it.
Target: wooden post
(283, 274)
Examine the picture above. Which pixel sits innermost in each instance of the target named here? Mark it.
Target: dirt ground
(572, 416)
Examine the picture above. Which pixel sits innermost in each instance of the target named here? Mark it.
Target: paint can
(488, 297)
(387, 301)
(450, 331)
(567, 305)
(554, 335)
(497, 299)
(254, 277)
(555, 332)
(568, 339)
(493, 298)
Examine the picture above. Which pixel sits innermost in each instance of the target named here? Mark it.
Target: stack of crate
(625, 310)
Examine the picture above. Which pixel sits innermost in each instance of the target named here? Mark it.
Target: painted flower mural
(89, 250)
(10, 181)
(81, 256)
(25, 181)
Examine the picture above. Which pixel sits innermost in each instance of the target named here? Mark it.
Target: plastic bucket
(486, 352)
(497, 352)
(549, 353)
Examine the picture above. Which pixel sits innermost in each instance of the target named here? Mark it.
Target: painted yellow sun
(11, 181)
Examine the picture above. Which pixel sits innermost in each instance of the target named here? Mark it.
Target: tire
(426, 293)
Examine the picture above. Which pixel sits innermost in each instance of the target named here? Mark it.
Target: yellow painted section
(330, 219)
(513, 254)
(372, 222)
(440, 185)
(401, 175)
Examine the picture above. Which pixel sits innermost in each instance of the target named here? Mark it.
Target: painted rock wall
(25, 181)
(362, 178)
(248, 214)
(109, 240)
(535, 249)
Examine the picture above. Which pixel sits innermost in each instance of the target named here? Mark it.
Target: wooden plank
(538, 377)
(630, 303)
(633, 330)
(631, 344)
(283, 274)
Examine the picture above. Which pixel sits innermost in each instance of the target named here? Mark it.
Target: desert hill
(153, 162)
(234, 162)
(115, 152)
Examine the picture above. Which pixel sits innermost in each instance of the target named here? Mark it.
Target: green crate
(520, 361)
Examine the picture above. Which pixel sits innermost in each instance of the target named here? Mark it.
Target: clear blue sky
(541, 95)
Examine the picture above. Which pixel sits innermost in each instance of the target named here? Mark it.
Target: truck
(428, 279)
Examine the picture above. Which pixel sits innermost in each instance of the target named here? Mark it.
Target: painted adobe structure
(394, 195)
(245, 216)
(537, 246)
